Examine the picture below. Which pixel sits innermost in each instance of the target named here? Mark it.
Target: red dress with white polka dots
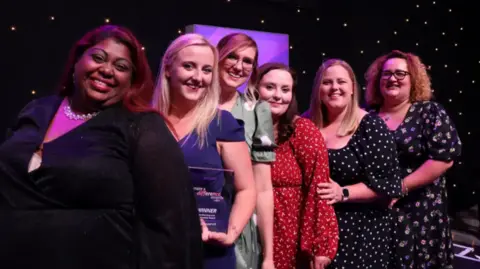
(303, 223)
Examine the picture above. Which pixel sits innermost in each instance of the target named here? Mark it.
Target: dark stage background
(37, 35)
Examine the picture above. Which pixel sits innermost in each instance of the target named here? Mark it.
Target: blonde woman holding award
(212, 141)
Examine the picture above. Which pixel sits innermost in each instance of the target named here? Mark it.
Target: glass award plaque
(214, 195)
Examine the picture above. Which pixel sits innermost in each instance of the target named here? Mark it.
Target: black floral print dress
(423, 236)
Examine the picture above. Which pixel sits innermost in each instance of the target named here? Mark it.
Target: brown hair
(285, 124)
(233, 42)
(421, 85)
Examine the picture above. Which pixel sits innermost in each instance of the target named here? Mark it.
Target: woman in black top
(90, 177)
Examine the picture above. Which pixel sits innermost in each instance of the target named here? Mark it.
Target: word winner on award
(213, 190)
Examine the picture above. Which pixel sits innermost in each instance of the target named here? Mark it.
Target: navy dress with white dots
(365, 228)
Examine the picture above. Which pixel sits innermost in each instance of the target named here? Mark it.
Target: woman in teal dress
(238, 60)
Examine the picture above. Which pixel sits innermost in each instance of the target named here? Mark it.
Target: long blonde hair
(233, 42)
(318, 111)
(206, 108)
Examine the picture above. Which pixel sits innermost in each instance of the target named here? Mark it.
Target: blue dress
(223, 128)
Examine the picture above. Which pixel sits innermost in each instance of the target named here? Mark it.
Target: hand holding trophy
(213, 208)
(225, 239)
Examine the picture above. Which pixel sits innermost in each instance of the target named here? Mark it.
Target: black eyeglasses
(398, 74)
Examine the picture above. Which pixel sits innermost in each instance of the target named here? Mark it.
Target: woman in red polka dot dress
(305, 227)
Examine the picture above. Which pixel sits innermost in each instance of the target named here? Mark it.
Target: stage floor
(467, 257)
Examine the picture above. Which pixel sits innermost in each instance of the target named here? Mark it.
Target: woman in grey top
(238, 59)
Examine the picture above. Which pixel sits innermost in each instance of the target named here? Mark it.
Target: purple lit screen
(273, 47)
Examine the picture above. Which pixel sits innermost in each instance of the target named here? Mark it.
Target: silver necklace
(67, 109)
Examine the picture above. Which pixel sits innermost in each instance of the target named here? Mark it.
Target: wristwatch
(345, 194)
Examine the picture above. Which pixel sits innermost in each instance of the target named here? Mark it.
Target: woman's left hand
(330, 191)
(224, 239)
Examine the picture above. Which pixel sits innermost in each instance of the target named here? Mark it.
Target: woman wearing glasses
(427, 143)
(238, 59)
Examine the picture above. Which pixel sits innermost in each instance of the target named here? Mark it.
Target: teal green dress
(258, 126)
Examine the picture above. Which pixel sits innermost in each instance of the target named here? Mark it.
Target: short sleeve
(263, 139)
(378, 155)
(167, 225)
(229, 129)
(443, 142)
(319, 227)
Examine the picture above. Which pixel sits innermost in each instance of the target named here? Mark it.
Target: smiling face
(237, 67)
(190, 74)
(104, 72)
(276, 87)
(336, 88)
(395, 83)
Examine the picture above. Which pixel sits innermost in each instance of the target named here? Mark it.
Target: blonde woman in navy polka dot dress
(363, 169)
(427, 144)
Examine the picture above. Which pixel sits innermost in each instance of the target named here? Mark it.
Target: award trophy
(213, 196)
